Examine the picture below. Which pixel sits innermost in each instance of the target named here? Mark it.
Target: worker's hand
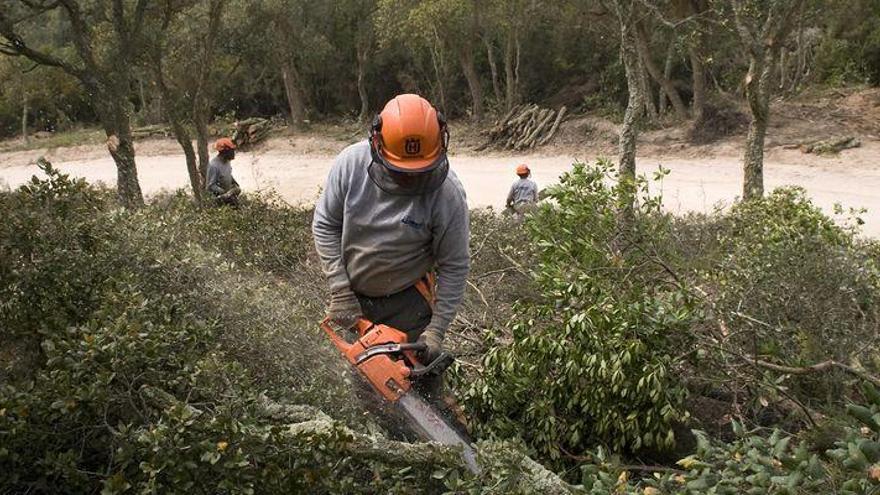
(433, 339)
(345, 309)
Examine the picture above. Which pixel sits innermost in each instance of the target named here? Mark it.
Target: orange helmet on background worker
(408, 141)
(224, 144)
(523, 170)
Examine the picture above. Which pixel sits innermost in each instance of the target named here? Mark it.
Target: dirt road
(694, 184)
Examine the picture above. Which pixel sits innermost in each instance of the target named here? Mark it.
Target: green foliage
(142, 374)
(600, 343)
(54, 99)
(792, 281)
(757, 463)
(849, 51)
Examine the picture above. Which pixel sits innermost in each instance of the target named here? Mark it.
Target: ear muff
(376, 138)
(444, 130)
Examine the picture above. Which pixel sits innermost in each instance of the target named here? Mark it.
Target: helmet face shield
(405, 183)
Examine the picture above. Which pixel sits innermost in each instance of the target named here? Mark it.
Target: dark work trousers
(407, 311)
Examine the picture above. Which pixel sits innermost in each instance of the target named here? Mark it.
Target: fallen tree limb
(832, 146)
(819, 367)
(528, 475)
(803, 370)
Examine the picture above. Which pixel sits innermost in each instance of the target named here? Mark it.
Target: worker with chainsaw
(391, 229)
(219, 181)
(523, 193)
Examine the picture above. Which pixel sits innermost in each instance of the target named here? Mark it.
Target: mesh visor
(395, 181)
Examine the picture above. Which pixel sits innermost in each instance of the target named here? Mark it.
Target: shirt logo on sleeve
(410, 221)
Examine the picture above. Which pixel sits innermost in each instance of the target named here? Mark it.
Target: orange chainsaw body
(384, 357)
(388, 374)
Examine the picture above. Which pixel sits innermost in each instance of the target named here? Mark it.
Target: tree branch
(15, 46)
(81, 36)
(819, 367)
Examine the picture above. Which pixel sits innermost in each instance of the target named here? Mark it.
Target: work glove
(345, 309)
(235, 191)
(433, 339)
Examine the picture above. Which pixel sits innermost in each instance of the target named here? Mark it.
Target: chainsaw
(390, 365)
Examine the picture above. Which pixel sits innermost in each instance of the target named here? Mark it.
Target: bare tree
(102, 63)
(761, 27)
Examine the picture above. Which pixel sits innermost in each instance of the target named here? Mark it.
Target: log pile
(525, 127)
(151, 131)
(832, 146)
(251, 131)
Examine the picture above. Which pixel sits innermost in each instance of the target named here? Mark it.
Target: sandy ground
(296, 172)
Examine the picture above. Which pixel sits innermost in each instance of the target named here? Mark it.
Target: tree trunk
(121, 148)
(24, 118)
(510, 63)
(493, 67)
(200, 121)
(666, 84)
(758, 83)
(473, 81)
(625, 11)
(295, 98)
(114, 111)
(800, 55)
(667, 74)
(196, 182)
(362, 55)
(783, 74)
(698, 70)
(439, 70)
(142, 111)
(647, 92)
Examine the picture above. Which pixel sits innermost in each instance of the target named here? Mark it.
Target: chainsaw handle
(414, 346)
(435, 367)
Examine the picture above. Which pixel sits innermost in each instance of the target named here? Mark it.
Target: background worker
(523, 193)
(219, 181)
(391, 212)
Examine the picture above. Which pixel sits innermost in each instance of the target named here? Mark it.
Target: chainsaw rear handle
(435, 367)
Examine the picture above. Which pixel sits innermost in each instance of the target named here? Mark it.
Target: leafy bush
(794, 287)
(141, 376)
(593, 359)
(759, 463)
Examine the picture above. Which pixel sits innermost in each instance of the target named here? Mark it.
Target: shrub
(146, 346)
(794, 287)
(593, 359)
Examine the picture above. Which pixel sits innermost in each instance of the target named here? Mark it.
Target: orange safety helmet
(410, 135)
(224, 144)
(522, 170)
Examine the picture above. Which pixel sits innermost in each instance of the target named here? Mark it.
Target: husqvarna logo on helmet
(412, 146)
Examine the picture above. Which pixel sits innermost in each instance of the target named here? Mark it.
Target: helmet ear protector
(375, 136)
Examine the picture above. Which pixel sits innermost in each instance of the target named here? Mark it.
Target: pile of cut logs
(525, 126)
(251, 131)
(151, 131)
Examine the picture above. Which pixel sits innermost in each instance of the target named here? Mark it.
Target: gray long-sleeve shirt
(378, 243)
(524, 190)
(219, 176)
